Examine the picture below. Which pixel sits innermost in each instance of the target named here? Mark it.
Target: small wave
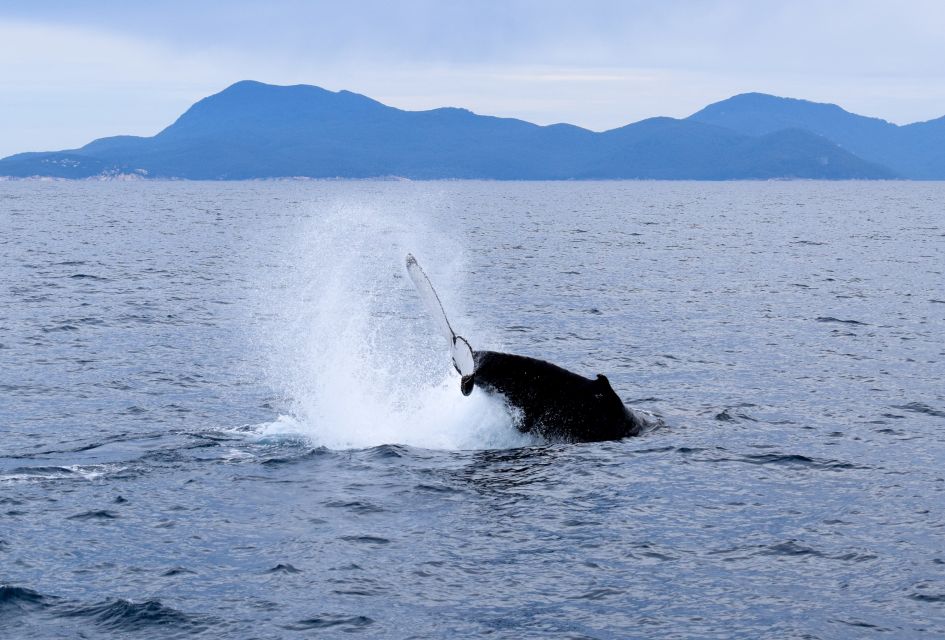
(72, 473)
(855, 557)
(284, 430)
(98, 514)
(437, 488)
(356, 506)
(790, 460)
(918, 407)
(21, 598)
(665, 449)
(127, 616)
(27, 474)
(832, 319)
(389, 451)
(599, 594)
(331, 621)
(284, 567)
(799, 460)
(96, 471)
(43, 471)
(86, 276)
(790, 548)
(366, 539)
(725, 416)
(862, 625)
(307, 454)
(686, 450)
(60, 327)
(92, 444)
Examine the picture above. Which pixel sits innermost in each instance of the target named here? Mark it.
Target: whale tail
(460, 350)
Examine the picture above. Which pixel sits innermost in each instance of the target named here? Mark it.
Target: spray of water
(350, 349)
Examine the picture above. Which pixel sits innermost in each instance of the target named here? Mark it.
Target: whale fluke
(551, 401)
(460, 350)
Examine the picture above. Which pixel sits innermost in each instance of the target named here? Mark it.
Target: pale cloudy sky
(74, 71)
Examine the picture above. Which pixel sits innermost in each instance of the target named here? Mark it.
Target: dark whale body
(553, 402)
(549, 401)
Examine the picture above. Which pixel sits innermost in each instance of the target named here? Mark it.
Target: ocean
(224, 412)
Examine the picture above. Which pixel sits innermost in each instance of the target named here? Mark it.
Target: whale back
(553, 402)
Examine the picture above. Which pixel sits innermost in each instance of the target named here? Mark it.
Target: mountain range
(255, 130)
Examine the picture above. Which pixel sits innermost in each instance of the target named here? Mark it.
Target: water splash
(350, 349)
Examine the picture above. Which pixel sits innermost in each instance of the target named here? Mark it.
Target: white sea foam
(70, 472)
(349, 346)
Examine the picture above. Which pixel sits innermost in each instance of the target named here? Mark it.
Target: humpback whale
(548, 400)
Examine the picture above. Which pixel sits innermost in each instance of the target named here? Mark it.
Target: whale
(544, 399)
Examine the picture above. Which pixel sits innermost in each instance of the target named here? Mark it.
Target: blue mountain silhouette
(255, 130)
(915, 151)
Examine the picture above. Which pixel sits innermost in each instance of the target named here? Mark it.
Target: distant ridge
(914, 151)
(255, 130)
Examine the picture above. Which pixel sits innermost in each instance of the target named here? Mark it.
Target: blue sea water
(223, 412)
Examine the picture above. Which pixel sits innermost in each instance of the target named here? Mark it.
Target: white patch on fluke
(460, 350)
(462, 356)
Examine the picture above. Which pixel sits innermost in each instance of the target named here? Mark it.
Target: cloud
(726, 35)
(61, 83)
(76, 71)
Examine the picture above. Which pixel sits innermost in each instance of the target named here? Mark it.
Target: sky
(71, 71)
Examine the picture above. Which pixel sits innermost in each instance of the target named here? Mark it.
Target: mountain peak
(244, 86)
(252, 90)
(252, 105)
(761, 113)
(774, 106)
